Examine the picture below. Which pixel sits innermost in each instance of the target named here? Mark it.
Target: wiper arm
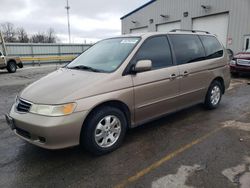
(83, 67)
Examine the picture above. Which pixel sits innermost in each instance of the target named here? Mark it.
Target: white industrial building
(228, 19)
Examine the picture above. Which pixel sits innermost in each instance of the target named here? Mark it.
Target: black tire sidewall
(88, 131)
(208, 102)
(10, 64)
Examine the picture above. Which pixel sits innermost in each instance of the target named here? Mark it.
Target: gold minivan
(120, 83)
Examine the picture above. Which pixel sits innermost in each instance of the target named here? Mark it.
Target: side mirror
(230, 54)
(142, 66)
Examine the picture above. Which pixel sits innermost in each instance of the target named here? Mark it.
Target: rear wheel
(20, 65)
(214, 95)
(104, 130)
(11, 66)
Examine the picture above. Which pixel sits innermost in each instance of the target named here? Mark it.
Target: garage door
(168, 26)
(139, 30)
(216, 24)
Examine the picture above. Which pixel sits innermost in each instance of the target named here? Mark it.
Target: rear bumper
(48, 132)
(239, 69)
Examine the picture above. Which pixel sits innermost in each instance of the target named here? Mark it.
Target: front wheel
(11, 66)
(214, 95)
(104, 130)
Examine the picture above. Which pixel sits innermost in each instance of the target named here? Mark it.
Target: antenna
(67, 8)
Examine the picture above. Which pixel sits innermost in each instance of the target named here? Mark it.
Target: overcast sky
(90, 19)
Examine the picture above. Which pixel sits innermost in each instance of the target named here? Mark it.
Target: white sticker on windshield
(129, 41)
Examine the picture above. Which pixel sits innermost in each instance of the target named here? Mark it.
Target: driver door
(155, 91)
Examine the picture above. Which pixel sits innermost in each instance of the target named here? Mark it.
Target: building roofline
(139, 8)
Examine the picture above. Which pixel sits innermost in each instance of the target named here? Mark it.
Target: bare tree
(39, 38)
(51, 36)
(48, 37)
(22, 35)
(9, 32)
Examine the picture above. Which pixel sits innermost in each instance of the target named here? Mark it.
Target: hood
(242, 55)
(65, 85)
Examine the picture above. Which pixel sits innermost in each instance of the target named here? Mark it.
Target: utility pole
(67, 8)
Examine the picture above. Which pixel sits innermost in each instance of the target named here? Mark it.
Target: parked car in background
(10, 63)
(120, 83)
(240, 63)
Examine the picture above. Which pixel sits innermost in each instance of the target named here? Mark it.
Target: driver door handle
(185, 73)
(172, 76)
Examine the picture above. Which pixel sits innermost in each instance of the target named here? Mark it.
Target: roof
(149, 34)
(139, 8)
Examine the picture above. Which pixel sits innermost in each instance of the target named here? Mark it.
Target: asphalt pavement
(191, 148)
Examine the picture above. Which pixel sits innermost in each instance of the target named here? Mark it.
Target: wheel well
(117, 104)
(12, 60)
(220, 79)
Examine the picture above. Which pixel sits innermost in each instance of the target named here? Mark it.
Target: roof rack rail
(193, 31)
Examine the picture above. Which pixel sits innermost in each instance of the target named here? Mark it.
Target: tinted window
(212, 47)
(187, 48)
(157, 50)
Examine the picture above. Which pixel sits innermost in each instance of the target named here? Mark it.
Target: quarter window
(187, 48)
(212, 47)
(157, 50)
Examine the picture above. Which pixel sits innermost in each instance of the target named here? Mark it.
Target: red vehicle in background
(240, 63)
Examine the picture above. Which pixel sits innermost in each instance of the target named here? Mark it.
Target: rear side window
(157, 50)
(187, 48)
(212, 47)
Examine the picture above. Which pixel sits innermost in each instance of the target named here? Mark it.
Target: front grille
(243, 62)
(23, 106)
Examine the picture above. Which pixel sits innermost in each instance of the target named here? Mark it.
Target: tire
(11, 66)
(98, 136)
(213, 96)
(20, 65)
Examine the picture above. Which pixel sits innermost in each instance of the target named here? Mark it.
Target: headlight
(53, 110)
(232, 62)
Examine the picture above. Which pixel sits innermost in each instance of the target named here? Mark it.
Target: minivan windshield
(106, 55)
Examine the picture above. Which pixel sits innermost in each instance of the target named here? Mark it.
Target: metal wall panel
(29, 49)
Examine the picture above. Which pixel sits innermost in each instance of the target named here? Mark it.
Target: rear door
(194, 74)
(155, 91)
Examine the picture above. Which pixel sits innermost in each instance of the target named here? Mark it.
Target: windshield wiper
(83, 67)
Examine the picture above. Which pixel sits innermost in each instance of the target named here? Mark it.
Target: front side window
(157, 50)
(212, 47)
(187, 48)
(105, 56)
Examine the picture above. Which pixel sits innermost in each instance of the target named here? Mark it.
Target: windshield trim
(122, 61)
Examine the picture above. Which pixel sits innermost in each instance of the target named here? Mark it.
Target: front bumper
(239, 69)
(48, 132)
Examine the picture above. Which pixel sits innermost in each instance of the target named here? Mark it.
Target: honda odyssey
(120, 83)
